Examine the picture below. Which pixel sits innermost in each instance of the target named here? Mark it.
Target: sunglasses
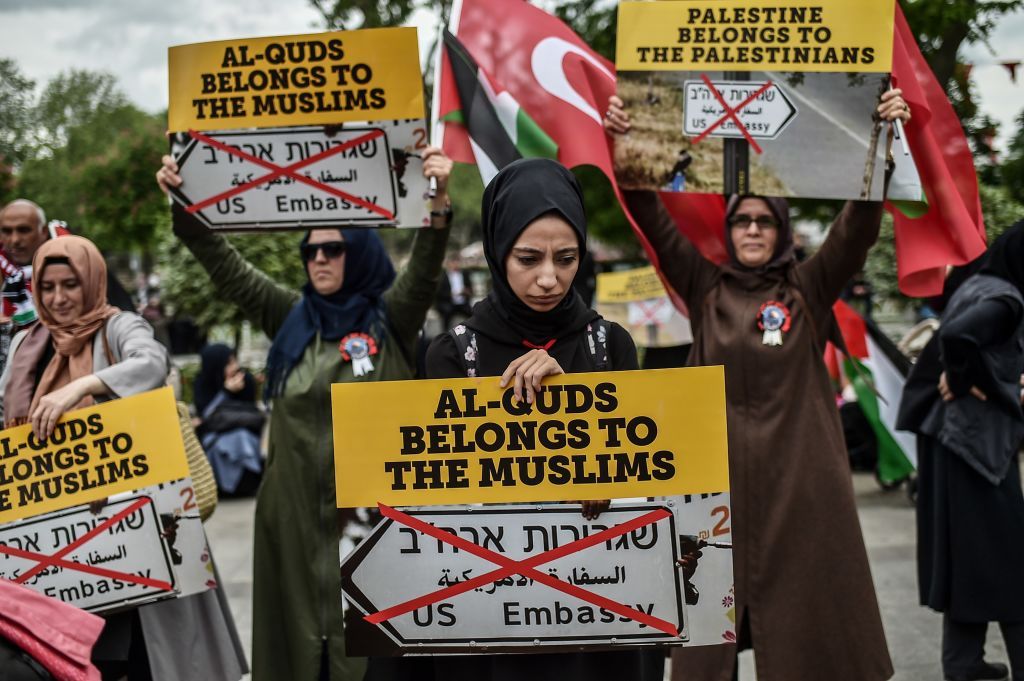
(331, 249)
(762, 221)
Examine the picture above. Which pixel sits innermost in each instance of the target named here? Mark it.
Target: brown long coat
(801, 571)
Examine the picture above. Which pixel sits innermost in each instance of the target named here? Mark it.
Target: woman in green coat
(354, 320)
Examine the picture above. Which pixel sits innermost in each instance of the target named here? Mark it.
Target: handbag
(203, 482)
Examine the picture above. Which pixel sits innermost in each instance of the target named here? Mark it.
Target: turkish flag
(952, 232)
(561, 83)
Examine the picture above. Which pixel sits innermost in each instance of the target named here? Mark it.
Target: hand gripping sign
(348, 170)
(590, 436)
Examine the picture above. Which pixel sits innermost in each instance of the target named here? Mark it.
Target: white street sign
(765, 117)
(358, 175)
(396, 564)
(156, 549)
(132, 546)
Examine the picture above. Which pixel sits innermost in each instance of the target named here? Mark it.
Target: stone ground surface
(886, 517)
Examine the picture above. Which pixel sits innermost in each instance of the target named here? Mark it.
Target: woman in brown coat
(804, 597)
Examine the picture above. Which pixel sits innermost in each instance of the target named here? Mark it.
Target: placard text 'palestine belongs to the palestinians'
(755, 35)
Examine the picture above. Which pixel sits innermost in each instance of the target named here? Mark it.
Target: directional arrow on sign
(763, 117)
(516, 577)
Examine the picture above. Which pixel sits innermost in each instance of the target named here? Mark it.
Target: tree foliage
(93, 159)
(16, 104)
(187, 288)
(1013, 166)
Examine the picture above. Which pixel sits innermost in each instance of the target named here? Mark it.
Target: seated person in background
(230, 423)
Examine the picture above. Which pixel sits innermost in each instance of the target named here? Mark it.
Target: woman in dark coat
(230, 424)
(532, 325)
(963, 399)
(804, 597)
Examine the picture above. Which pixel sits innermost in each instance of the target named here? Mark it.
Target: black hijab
(355, 307)
(213, 359)
(779, 207)
(1005, 257)
(523, 191)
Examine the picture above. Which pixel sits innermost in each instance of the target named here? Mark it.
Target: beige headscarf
(72, 340)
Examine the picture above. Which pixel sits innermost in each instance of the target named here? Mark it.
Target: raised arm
(412, 294)
(855, 230)
(843, 254)
(686, 270)
(264, 302)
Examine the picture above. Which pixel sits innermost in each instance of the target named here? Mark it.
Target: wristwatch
(445, 213)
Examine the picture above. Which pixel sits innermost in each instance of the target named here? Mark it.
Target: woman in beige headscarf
(85, 351)
(65, 362)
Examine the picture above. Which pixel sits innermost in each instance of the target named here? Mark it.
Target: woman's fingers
(437, 165)
(526, 374)
(944, 391)
(892, 106)
(511, 370)
(976, 391)
(616, 120)
(167, 176)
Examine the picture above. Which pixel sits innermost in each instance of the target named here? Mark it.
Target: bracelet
(445, 213)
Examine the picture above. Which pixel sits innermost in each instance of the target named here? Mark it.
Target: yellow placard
(755, 35)
(93, 453)
(629, 286)
(589, 436)
(315, 79)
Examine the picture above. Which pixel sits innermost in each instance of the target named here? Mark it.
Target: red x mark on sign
(525, 567)
(288, 171)
(650, 309)
(57, 559)
(731, 113)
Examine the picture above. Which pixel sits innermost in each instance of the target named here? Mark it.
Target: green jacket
(296, 577)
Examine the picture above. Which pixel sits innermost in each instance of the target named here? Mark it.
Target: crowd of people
(763, 314)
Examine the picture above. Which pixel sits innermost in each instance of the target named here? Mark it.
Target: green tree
(188, 290)
(351, 14)
(1013, 167)
(94, 160)
(16, 109)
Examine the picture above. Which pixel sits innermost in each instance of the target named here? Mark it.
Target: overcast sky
(130, 39)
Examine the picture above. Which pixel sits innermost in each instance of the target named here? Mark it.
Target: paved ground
(886, 517)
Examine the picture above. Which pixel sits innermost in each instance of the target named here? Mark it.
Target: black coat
(970, 525)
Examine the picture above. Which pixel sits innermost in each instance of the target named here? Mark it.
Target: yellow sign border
(687, 407)
(340, 76)
(861, 33)
(75, 458)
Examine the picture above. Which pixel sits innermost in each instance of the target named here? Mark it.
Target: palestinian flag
(877, 371)
(499, 130)
(945, 227)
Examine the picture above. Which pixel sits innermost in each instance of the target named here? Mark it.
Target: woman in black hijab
(532, 325)
(963, 399)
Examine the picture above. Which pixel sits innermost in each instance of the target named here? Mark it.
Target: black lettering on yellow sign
(78, 456)
(551, 448)
(293, 77)
(774, 37)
